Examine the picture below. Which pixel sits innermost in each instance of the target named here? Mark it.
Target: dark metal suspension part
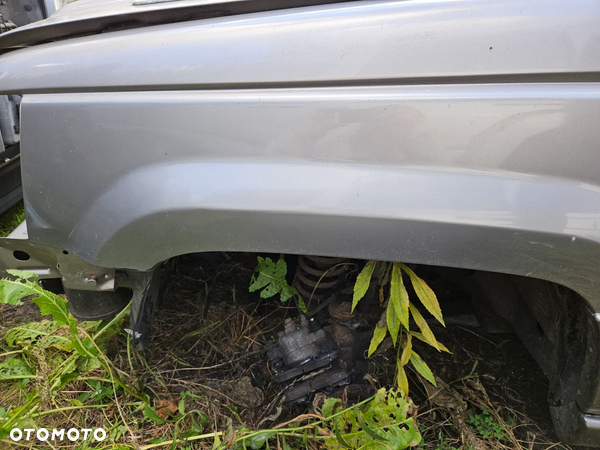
(318, 276)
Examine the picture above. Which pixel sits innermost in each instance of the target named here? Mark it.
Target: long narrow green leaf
(425, 294)
(422, 368)
(339, 437)
(368, 430)
(428, 335)
(381, 269)
(362, 283)
(284, 445)
(402, 379)
(420, 337)
(383, 280)
(406, 351)
(393, 323)
(399, 296)
(378, 337)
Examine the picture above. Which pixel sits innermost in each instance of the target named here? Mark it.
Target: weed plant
(11, 219)
(60, 373)
(44, 361)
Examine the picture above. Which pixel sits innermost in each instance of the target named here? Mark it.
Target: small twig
(216, 391)
(232, 361)
(191, 438)
(11, 353)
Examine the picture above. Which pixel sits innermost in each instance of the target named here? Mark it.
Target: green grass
(11, 219)
(58, 372)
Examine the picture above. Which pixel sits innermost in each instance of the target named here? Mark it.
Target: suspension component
(317, 276)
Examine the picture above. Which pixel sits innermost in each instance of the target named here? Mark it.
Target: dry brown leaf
(164, 408)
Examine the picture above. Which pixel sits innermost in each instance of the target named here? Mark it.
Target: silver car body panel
(367, 43)
(98, 16)
(459, 133)
(335, 171)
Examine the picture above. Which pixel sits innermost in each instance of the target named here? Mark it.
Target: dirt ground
(216, 331)
(209, 341)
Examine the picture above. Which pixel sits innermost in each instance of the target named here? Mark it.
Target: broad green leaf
(271, 279)
(22, 274)
(43, 333)
(368, 430)
(88, 364)
(422, 324)
(422, 368)
(425, 294)
(405, 437)
(402, 379)
(13, 291)
(14, 366)
(420, 337)
(329, 406)
(381, 423)
(259, 440)
(49, 303)
(362, 283)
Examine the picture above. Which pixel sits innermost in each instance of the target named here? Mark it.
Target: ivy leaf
(428, 335)
(422, 368)
(271, 279)
(362, 283)
(425, 294)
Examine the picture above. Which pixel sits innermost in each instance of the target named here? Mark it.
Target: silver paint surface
(392, 42)
(321, 171)
(460, 133)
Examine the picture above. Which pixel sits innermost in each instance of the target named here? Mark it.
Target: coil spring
(317, 276)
